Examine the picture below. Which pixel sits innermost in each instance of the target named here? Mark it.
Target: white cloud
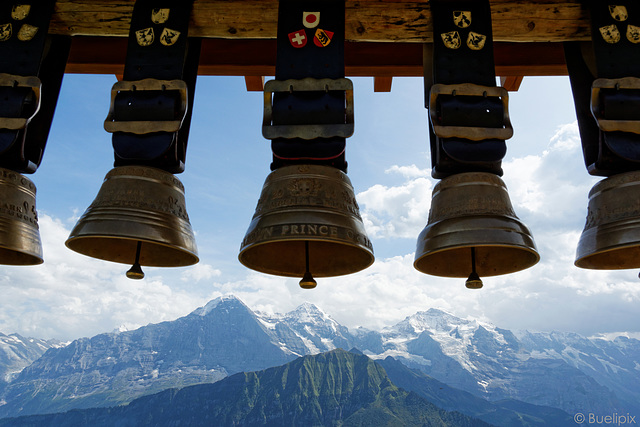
(397, 211)
(199, 272)
(411, 171)
(72, 295)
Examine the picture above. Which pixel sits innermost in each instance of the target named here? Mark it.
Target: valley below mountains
(477, 369)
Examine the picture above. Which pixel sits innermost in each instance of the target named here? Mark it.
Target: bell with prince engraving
(307, 222)
(19, 236)
(139, 217)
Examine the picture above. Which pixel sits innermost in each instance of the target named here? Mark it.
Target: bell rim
(193, 254)
(583, 261)
(533, 251)
(28, 258)
(319, 274)
(520, 235)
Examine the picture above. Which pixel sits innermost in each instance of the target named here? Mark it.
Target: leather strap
(614, 53)
(310, 43)
(158, 48)
(27, 53)
(463, 53)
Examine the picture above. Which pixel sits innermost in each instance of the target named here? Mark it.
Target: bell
(19, 236)
(307, 221)
(611, 236)
(472, 228)
(138, 217)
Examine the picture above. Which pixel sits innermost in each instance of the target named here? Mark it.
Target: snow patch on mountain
(455, 336)
(399, 354)
(268, 323)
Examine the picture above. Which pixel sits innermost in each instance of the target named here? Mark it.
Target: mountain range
(334, 388)
(488, 372)
(18, 352)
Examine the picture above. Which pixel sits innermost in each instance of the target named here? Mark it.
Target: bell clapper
(307, 281)
(473, 282)
(135, 272)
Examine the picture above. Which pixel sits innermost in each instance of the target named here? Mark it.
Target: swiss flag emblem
(298, 38)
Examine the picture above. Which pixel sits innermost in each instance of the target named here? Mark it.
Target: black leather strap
(614, 53)
(26, 50)
(310, 43)
(463, 53)
(158, 48)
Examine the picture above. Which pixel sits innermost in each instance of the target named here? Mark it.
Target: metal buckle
(33, 82)
(607, 125)
(309, 131)
(470, 132)
(140, 127)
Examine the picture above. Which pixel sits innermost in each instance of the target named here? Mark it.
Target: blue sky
(71, 296)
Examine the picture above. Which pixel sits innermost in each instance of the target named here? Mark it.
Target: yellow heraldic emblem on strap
(633, 34)
(27, 32)
(6, 30)
(475, 41)
(322, 37)
(169, 36)
(462, 18)
(610, 34)
(145, 37)
(619, 13)
(20, 11)
(159, 16)
(451, 39)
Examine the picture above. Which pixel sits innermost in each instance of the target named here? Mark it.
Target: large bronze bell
(611, 236)
(472, 228)
(19, 235)
(139, 217)
(307, 221)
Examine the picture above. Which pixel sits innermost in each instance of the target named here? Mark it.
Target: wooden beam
(366, 20)
(106, 55)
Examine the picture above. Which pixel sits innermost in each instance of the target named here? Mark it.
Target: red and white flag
(310, 19)
(298, 38)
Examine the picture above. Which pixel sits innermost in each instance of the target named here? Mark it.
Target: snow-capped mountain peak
(433, 320)
(308, 313)
(214, 303)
